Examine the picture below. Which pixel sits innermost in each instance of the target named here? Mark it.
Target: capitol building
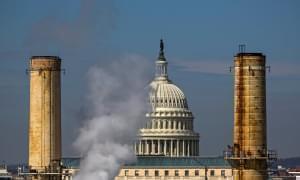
(169, 131)
(168, 147)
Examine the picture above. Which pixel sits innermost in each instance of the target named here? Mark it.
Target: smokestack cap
(57, 58)
(249, 54)
(45, 63)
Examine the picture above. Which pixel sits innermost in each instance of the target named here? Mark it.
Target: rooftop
(180, 161)
(71, 163)
(162, 161)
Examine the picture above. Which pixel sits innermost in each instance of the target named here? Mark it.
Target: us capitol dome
(169, 130)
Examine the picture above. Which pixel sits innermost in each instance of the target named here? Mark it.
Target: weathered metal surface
(250, 143)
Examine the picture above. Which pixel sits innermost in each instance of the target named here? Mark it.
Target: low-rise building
(70, 167)
(169, 168)
(4, 174)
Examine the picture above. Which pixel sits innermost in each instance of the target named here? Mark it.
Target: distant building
(188, 168)
(169, 130)
(294, 172)
(4, 174)
(70, 167)
(168, 147)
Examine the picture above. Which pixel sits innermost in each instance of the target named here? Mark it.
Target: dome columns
(171, 124)
(169, 147)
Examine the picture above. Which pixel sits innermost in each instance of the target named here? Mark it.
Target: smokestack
(45, 113)
(250, 138)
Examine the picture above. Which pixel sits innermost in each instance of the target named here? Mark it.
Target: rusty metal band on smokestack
(45, 112)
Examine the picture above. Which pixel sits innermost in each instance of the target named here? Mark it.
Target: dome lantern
(161, 64)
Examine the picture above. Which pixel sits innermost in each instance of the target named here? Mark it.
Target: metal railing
(270, 155)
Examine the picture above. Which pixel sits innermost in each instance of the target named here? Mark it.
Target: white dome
(165, 94)
(169, 130)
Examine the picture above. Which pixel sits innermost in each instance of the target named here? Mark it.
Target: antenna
(242, 48)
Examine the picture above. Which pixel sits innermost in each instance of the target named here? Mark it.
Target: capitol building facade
(169, 130)
(168, 147)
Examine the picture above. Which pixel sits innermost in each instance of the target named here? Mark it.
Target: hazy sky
(201, 38)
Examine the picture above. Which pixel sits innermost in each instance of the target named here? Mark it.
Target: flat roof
(162, 161)
(72, 163)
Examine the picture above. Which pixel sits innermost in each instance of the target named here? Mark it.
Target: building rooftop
(160, 161)
(71, 163)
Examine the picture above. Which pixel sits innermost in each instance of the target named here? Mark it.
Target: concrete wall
(45, 112)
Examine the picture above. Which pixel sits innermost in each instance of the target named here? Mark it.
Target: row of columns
(162, 102)
(167, 147)
(171, 124)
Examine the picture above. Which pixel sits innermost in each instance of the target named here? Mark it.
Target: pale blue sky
(201, 38)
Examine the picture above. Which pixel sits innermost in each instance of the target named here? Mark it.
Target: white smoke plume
(117, 104)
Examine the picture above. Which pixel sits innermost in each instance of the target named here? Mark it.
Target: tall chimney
(45, 113)
(250, 138)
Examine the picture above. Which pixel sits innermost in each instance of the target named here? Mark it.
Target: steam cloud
(117, 103)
